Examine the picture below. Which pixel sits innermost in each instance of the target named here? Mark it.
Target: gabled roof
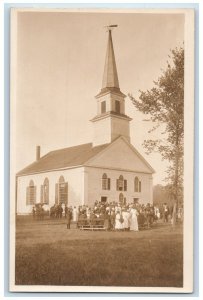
(63, 158)
(73, 157)
(120, 156)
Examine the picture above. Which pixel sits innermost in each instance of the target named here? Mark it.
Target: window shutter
(47, 194)
(136, 183)
(117, 184)
(56, 193)
(27, 195)
(103, 184)
(41, 194)
(109, 183)
(140, 185)
(125, 185)
(34, 196)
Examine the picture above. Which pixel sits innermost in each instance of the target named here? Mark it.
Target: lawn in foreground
(48, 254)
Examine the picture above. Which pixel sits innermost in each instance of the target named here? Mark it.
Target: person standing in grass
(69, 217)
(117, 221)
(133, 219)
(165, 212)
(125, 214)
(109, 226)
(112, 219)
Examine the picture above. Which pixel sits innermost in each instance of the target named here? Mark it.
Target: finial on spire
(110, 27)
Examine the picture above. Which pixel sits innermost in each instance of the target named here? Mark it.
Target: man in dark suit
(69, 217)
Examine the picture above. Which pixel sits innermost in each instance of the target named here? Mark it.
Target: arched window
(61, 191)
(104, 176)
(45, 191)
(121, 184)
(31, 193)
(61, 179)
(137, 185)
(31, 183)
(106, 182)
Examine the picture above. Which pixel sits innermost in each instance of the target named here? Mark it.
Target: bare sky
(60, 62)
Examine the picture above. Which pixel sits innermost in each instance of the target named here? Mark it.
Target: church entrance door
(103, 199)
(135, 200)
(122, 199)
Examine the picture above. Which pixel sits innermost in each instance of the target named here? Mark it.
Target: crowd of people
(113, 215)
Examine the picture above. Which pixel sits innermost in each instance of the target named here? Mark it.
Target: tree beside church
(164, 105)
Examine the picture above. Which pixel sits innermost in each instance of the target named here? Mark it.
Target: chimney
(37, 153)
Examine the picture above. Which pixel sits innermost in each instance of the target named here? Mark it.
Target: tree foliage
(164, 104)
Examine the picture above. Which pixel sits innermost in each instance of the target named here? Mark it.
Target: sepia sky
(60, 62)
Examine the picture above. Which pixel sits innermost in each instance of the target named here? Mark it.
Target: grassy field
(49, 254)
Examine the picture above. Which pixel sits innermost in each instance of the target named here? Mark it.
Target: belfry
(110, 121)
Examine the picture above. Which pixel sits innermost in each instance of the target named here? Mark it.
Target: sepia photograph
(102, 139)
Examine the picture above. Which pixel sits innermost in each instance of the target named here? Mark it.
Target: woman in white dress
(88, 213)
(133, 220)
(125, 214)
(117, 221)
(75, 214)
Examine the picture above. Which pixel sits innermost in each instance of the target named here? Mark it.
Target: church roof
(63, 158)
(112, 113)
(73, 157)
(108, 90)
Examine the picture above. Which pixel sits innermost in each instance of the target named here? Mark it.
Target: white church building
(108, 169)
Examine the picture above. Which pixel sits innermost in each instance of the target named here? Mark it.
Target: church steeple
(110, 81)
(110, 76)
(110, 121)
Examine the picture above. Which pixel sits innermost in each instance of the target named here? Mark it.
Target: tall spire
(110, 77)
(111, 120)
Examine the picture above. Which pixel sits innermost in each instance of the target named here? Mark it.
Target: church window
(103, 107)
(106, 182)
(121, 184)
(45, 191)
(137, 185)
(61, 179)
(117, 106)
(31, 193)
(61, 191)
